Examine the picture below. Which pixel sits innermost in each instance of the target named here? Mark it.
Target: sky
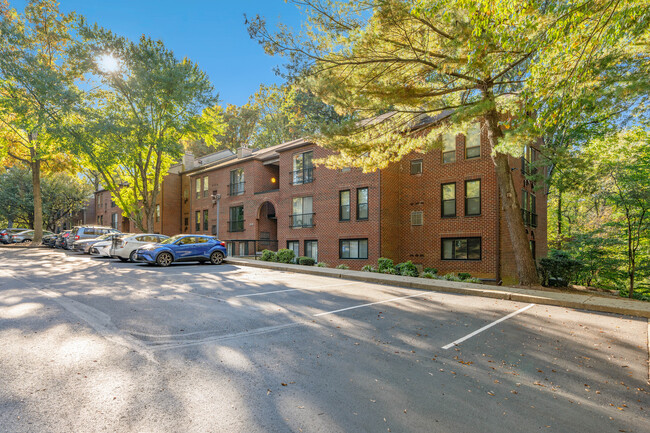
(211, 33)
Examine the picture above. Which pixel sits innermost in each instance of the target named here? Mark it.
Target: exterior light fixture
(273, 180)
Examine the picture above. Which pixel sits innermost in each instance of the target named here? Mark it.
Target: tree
(621, 167)
(457, 59)
(36, 88)
(17, 197)
(131, 125)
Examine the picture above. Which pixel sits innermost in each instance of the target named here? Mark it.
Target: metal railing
(236, 226)
(302, 220)
(298, 177)
(236, 188)
(249, 247)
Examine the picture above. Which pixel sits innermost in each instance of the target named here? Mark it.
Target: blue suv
(183, 248)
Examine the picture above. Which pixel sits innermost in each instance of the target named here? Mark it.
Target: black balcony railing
(306, 175)
(236, 188)
(530, 219)
(236, 226)
(302, 220)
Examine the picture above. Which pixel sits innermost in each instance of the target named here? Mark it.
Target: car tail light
(223, 244)
(76, 238)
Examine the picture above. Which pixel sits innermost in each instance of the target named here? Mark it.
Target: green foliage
(342, 266)
(430, 270)
(407, 269)
(269, 256)
(368, 268)
(558, 269)
(464, 276)
(383, 263)
(322, 265)
(286, 255)
(429, 275)
(642, 293)
(306, 261)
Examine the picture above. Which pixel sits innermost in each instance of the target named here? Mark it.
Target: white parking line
(468, 336)
(374, 303)
(293, 290)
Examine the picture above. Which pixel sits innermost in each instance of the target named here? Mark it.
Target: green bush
(286, 255)
(558, 269)
(368, 268)
(464, 276)
(306, 261)
(408, 269)
(641, 293)
(383, 263)
(342, 266)
(430, 270)
(427, 275)
(390, 271)
(450, 277)
(474, 280)
(269, 256)
(322, 265)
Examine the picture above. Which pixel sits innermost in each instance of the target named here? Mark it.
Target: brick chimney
(243, 151)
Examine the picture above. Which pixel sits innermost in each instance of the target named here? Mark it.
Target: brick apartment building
(440, 209)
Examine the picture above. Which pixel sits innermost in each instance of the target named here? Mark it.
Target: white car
(124, 247)
(101, 249)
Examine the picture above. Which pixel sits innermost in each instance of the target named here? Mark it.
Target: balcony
(236, 226)
(299, 177)
(530, 218)
(302, 220)
(236, 188)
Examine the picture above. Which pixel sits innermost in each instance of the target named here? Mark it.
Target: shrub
(408, 269)
(269, 256)
(342, 266)
(427, 275)
(474, 280)
(383, 263)
(322, 265)
(368, 268)
(464, 276)
(286, 255)
(390, 271)
(558, 269)
(306, 261)
(451, 277)
(430, 270)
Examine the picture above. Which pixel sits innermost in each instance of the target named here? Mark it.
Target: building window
(303, 215)
(416, 166)
(448, 147)
(448, 200)
(186, 220)
(461, 248)
(198, 187)
(205, 186)
(532, 249)
(344, 205)
(113, 203)
(114, 221)
(311, 249)
(472, 197)
(473, 141)
(362, 203)
(527, 160)
(185, 194)
(353, 248)
(236, 186)
(205, 220)
(236, 223)
(529, 208)
(303, 168)
(417, 218)
(157, 213)
(197, 222)
(294, 246)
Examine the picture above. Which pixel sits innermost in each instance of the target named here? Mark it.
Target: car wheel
(122, 259)
(24, 241)
(132, 256)
(164, 259)
(216, 258)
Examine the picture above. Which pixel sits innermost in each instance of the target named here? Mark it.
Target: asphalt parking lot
(98, 345)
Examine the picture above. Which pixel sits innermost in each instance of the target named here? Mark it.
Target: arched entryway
(267, 227)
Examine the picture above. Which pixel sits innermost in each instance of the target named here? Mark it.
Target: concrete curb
(589, 302)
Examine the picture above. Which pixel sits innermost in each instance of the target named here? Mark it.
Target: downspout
(380, 219)
(498, 252)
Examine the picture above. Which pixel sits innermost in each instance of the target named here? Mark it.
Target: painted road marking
(373, 303)
(468, 336)
(292, 290)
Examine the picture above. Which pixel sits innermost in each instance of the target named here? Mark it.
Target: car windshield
(172, 239)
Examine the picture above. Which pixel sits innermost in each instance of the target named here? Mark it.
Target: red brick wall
(169, 199)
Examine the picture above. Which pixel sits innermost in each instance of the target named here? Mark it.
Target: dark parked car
(87, 232)
(5, 233)
(183, 248)
(60, 239)
(49, 240)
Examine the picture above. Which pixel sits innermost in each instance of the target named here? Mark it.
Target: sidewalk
(590, 302)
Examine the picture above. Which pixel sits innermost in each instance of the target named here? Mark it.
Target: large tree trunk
(526, 268)
(38, 199)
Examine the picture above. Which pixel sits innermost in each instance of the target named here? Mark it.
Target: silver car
(87, 232)
(84, 245)
(5, 233)
(25, 236)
